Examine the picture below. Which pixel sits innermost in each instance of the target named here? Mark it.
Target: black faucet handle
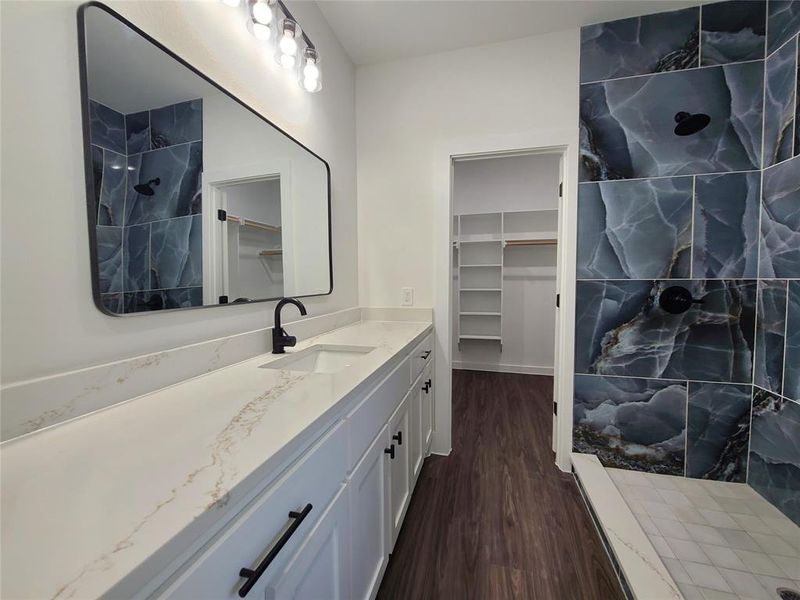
(288, 340)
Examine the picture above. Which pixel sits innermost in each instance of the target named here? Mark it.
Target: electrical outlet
(407, 296)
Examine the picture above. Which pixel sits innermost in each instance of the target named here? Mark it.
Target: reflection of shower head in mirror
(688, 124)
(145, 189)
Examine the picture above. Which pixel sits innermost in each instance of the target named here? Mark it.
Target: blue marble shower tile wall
(713, 206)
(149, 247)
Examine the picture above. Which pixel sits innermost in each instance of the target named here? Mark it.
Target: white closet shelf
(480, 290)
(475, 238)
(480, 266)
(480, 337)
(531, 235)
(479, 314)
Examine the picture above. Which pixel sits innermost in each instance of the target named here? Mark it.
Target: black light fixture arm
(288, 15)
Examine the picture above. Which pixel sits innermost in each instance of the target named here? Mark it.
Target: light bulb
(288, 44)
(287, 61)
(311, 70)
(231, 3)
(261, 31)
(310, 84)
(262, 12)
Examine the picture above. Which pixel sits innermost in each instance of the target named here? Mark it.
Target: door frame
(551, 141)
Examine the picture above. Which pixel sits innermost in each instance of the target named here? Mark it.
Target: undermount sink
(322, 358)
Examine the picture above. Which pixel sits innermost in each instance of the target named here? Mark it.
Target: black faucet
(280, 339)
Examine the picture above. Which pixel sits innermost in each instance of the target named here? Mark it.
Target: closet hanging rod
(251, 223)
(547, 242)
(270, 253)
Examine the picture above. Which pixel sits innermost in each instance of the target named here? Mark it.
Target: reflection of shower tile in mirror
(780, 221)
(110, 185)
(179, 169)
(162, 299)
(109, 259)
(733, 31)
(784, 22)
(176, 124)
(176, 258)
(770, 335)
(640, 45)
(627, 125)
(136, 244)
(635, 229)
(726, 225)
(718, 431)
(114, 303)
(779, 104)
(631, 423)
(107, 127)
(775, 452)
(791, 361)
(621, 330)
(137, 131)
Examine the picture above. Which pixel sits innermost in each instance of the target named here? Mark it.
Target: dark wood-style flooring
(497, 519)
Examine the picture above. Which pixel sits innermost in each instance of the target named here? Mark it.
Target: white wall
(408, 110)
(514, 183)
(412, 117)
(49, 323)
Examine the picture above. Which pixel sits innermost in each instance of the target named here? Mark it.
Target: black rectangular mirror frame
(91, 201)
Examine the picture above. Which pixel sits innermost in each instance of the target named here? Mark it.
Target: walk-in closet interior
(505, 246)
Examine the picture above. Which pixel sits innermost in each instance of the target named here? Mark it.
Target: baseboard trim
(500, 368)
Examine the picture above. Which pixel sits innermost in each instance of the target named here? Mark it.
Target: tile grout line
(674, 176)
(656, 73)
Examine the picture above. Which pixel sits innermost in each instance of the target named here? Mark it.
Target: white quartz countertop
(94, 501)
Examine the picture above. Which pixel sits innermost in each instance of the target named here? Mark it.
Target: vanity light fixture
(262, 12)
(288, 54)
(309, 77)
(287, 44)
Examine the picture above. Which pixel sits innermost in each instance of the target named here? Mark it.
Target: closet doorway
(505, 222)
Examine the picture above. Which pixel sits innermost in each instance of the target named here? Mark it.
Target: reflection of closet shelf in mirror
(243, 222)
(480, 289)
(480, 337)
(274, 252)
(479, 314)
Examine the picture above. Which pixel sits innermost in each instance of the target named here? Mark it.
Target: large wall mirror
(194, 199)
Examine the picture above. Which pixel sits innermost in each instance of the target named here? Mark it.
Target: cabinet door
(399, 461)
(368, 497)
(426, 389)
(320, 568)
(415, 437)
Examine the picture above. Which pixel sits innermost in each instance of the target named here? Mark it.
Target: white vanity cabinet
(400, 460)
(325, 527)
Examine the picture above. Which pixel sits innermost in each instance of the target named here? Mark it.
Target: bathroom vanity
(277, 477)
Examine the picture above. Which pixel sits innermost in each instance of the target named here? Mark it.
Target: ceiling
(129, 74)
(375, 31)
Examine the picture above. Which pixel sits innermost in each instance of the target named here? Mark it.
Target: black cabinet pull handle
(425, 388)
(254, 575)
(399, 438)
(429, 383)
(425, 355)
(389, 451)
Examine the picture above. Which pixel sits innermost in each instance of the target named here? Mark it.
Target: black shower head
(145, 188)
(688, 124)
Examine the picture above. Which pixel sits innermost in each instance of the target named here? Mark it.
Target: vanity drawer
(244, 544)
(369, 417)
(421, 356)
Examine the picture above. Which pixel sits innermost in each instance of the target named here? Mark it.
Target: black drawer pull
(425, 355)
(398, 438)
(427, 386)
(429, 383)
(253, 576)
(389, 451)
